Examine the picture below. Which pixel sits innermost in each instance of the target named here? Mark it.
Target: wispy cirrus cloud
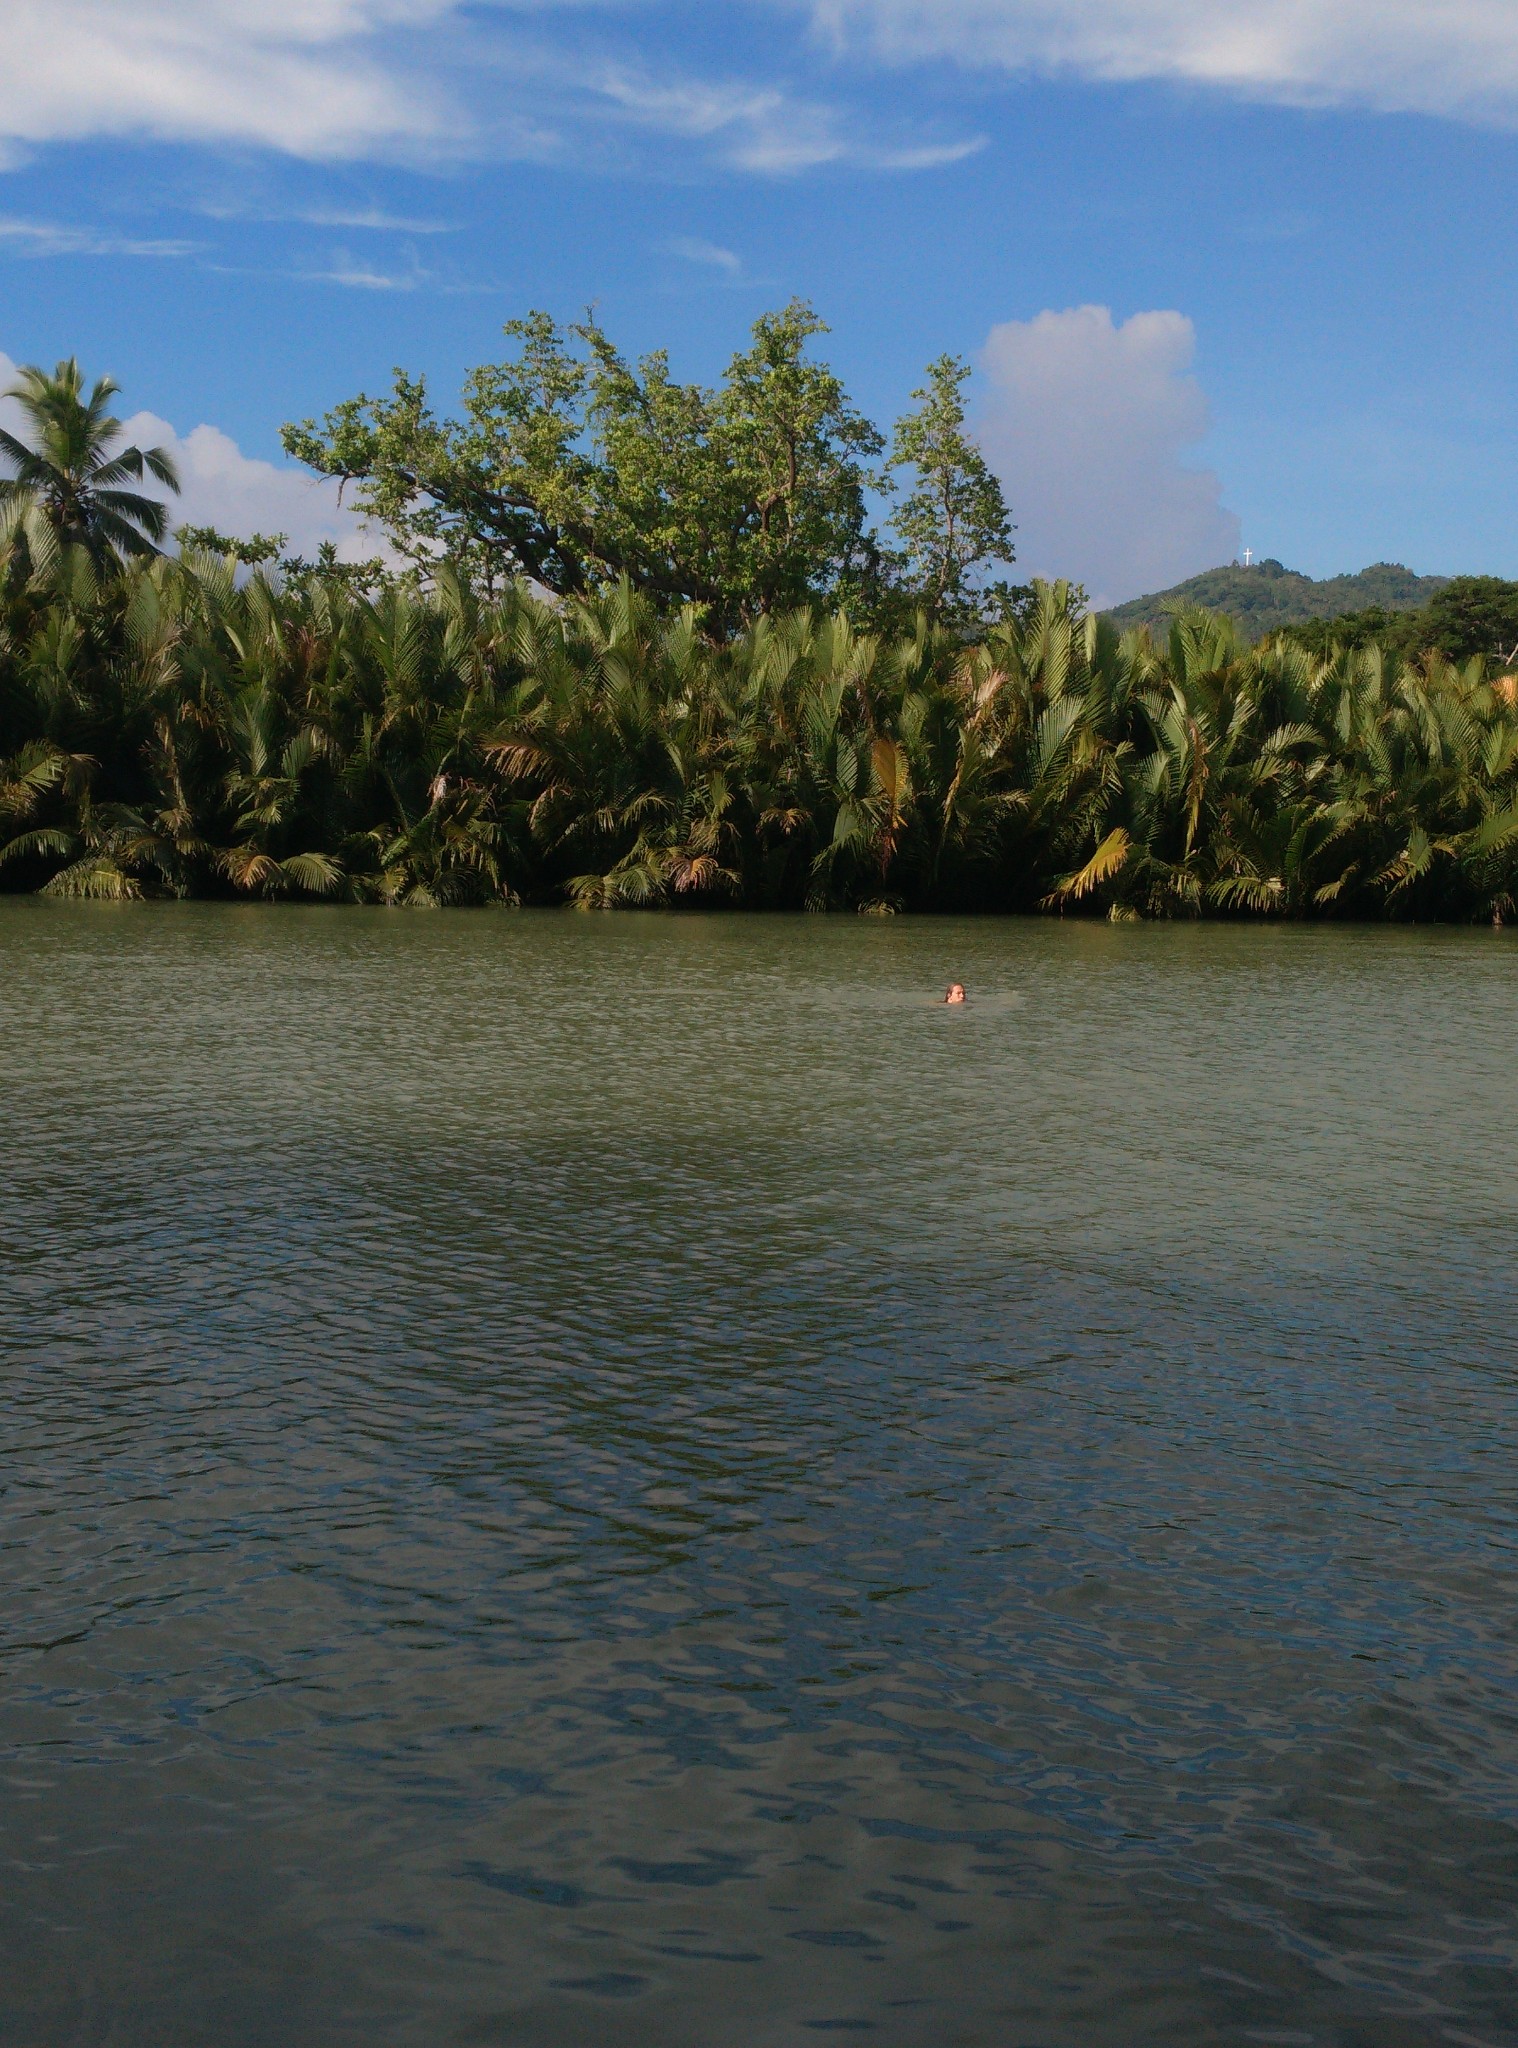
(924, 156)
(352, 80)
(764, 128)
(1449, 57)
(362, 278)
(360, 79)
(691, 249)
(51, 238)
(757, 128)
(373, 219)
(349, 272)
(434, 79)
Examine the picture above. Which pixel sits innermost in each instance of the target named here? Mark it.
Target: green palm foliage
(178, 726)
(69, 486)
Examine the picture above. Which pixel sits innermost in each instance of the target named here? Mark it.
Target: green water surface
(575, 1480)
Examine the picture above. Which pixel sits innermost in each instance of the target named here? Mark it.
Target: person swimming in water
(956, 992)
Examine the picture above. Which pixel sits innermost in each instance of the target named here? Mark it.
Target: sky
(1228, 277)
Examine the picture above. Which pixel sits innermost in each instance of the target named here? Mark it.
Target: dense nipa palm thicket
(164, 731)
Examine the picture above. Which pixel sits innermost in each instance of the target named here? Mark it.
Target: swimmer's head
(956, 992)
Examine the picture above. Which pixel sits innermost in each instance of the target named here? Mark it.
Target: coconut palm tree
(68, 487)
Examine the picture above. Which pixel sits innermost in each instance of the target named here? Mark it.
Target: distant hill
(1266, 596)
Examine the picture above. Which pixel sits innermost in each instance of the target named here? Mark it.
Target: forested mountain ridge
(1266, 597)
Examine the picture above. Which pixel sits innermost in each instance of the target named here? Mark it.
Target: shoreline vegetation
(635, 642)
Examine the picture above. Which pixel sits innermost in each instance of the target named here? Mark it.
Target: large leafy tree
(1473, 615)
(576, 467)
(953, 522)
(70, 485)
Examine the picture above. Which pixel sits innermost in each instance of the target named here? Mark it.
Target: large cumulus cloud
(1089, 423)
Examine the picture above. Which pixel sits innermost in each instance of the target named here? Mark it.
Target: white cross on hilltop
(1248, 556)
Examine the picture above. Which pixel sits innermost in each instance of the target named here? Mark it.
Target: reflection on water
(580, 1480)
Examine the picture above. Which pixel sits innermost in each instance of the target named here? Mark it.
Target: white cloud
(692, 250)
(370, 78)
(351, 79)
(307, 76)
(925, 156)
(357, 275)
(50, 238)
(1087, 424)
(236, 493)
(758, 128)
(372, 218)
(761, 127)
(240, 494)
(1456, 57)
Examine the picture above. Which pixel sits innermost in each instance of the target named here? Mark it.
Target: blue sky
(1227, 277)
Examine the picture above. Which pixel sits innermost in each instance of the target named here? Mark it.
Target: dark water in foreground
(578, 1481)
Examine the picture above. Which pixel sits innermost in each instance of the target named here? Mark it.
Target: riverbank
(207, 741)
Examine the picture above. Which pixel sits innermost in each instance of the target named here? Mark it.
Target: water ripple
(577, 1480)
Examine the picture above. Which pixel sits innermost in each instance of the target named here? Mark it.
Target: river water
(575, 1480)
